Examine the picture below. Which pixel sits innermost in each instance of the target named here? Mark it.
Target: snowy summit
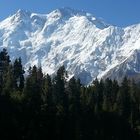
(84, 44)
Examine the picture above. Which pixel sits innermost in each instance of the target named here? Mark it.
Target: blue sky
(116, 12)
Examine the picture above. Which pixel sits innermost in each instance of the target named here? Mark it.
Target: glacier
(87, 46)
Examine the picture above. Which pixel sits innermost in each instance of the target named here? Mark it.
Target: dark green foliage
(18, 74)
(124, 99)
(4, 66)
(40, 107)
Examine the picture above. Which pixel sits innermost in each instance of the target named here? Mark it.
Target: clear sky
(116, 12)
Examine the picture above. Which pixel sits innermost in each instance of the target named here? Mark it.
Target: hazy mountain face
(84, 44)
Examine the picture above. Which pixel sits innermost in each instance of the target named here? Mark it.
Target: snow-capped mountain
(84, 44)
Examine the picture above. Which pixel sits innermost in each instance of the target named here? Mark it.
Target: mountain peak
(67, 11)
(84, 44)
(22, 13)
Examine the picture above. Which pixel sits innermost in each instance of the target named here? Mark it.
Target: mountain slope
(87, 46)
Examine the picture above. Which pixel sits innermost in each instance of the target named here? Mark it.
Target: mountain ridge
(87, 46)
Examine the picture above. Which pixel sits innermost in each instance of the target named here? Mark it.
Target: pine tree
(47, 91)
(115, 90)
(124, 99)
(61, 101)
(4, 66)
(18, 74)
(33, 88)
(107, 103)
(74, 95)
(8, 81)
(59, 89)
(98, 93)
(135, 100)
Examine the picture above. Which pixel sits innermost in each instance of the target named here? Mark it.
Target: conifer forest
(35, 106)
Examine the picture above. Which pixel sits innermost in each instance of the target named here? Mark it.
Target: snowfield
(84, 44)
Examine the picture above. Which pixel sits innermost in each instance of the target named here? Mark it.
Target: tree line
(41, 107)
